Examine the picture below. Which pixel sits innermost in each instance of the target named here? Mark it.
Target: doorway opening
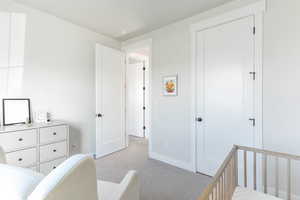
(138, 70)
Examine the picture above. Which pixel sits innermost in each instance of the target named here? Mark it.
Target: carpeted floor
(159, 181)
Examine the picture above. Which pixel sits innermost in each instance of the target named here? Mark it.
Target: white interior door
(225, 91)
(110, 100)
(134, 100)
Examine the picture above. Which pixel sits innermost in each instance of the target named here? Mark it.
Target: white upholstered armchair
(75, 179)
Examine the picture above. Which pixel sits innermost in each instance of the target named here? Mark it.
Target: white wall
(282, 84)
(59, 72)
(281, 76)
(171, 140)
(4, 4)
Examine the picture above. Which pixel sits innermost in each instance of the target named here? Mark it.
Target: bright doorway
(137, 93)
(138, 108)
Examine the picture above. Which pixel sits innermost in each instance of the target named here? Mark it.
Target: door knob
(199, 119)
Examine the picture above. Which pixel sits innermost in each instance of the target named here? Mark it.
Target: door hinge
(253, 74)
(144, 108)
(144, 127)
(144, 88)
(254, 30)
(253, 121)
(144, 68)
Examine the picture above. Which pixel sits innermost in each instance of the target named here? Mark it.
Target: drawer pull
(20, 159)
(20, 139)
(54, 133)
(54, 150)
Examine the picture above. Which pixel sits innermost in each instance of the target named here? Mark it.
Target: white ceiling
(123, 19)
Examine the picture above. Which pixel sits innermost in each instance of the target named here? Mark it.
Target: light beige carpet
(159, 181)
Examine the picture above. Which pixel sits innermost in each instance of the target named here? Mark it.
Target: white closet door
(225, 98)
(135, 100)
(110, 100)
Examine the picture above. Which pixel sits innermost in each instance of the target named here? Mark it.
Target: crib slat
(222, 187)
(231, 178)
(219, 190)
(236, 170)
(220, 184)
(254, 171)
(276, 177)
(214, 193)
(226, 184)
(245, 168)
(230, 175)
(265, 157)
(229, 181)
(289, 179)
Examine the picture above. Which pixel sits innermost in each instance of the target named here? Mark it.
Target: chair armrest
(2, 156)
(16, 182)
(74, 179)
(130, 187)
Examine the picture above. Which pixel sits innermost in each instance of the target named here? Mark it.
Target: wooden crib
(225, 183)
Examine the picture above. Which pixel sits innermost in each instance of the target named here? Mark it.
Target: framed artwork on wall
(170, 85)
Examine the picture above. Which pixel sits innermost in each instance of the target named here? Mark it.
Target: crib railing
(226, 179)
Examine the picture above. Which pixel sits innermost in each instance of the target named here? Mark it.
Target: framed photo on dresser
(16, 111)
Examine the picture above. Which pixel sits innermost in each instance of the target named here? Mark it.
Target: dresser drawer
(24, 158)
(11, 141)
(46, 168)
(53, 134)
(53, 151)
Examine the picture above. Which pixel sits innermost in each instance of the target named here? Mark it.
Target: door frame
(257, 10)
(127, 48)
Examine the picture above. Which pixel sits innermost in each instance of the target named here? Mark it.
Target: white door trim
(132, 47)
(257, 10)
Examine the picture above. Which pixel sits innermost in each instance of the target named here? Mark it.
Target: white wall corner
(176, 163)
(131, 46)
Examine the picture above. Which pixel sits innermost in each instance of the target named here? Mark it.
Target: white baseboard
(170, 161)
(93, 155)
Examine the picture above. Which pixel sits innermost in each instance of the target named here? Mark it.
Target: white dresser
(41, 147)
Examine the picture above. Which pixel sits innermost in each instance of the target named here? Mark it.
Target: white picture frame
(170, 85)
(16, 111)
